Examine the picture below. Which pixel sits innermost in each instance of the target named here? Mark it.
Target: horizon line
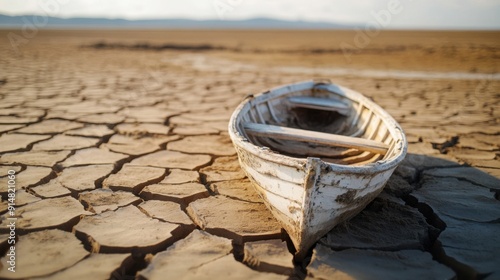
(328, 25)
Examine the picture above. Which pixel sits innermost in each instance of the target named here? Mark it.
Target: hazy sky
(406, 14)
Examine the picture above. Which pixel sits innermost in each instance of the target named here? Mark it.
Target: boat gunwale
(267, 154)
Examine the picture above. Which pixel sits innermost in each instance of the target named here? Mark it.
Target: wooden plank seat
(287, 133)
(319, 103)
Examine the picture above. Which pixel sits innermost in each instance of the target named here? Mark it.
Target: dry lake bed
(116, 145)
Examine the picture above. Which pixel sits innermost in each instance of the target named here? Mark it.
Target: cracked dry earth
(125, 170)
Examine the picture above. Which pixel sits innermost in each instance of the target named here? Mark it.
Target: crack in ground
(130, 267)
(139, 187)
(239, 199)
(443, 147)
(30, 145)
(256, 265)
(462, 270)
(43, 180)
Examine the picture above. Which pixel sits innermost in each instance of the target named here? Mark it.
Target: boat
(317, 154)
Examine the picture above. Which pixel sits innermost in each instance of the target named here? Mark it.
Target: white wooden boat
(317, 153)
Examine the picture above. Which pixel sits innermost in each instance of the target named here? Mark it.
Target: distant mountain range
(254, 23)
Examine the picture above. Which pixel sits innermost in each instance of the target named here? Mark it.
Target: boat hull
(311, 201)
(309, 196)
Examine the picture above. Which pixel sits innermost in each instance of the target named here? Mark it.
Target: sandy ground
(124, 168)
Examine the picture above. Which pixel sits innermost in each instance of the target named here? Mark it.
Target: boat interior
(317, 123)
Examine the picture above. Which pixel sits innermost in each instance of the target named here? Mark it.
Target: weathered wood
(301, 135)
(306, 194)
(319, 104)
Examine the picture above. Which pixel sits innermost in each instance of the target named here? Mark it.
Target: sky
(426, 14)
